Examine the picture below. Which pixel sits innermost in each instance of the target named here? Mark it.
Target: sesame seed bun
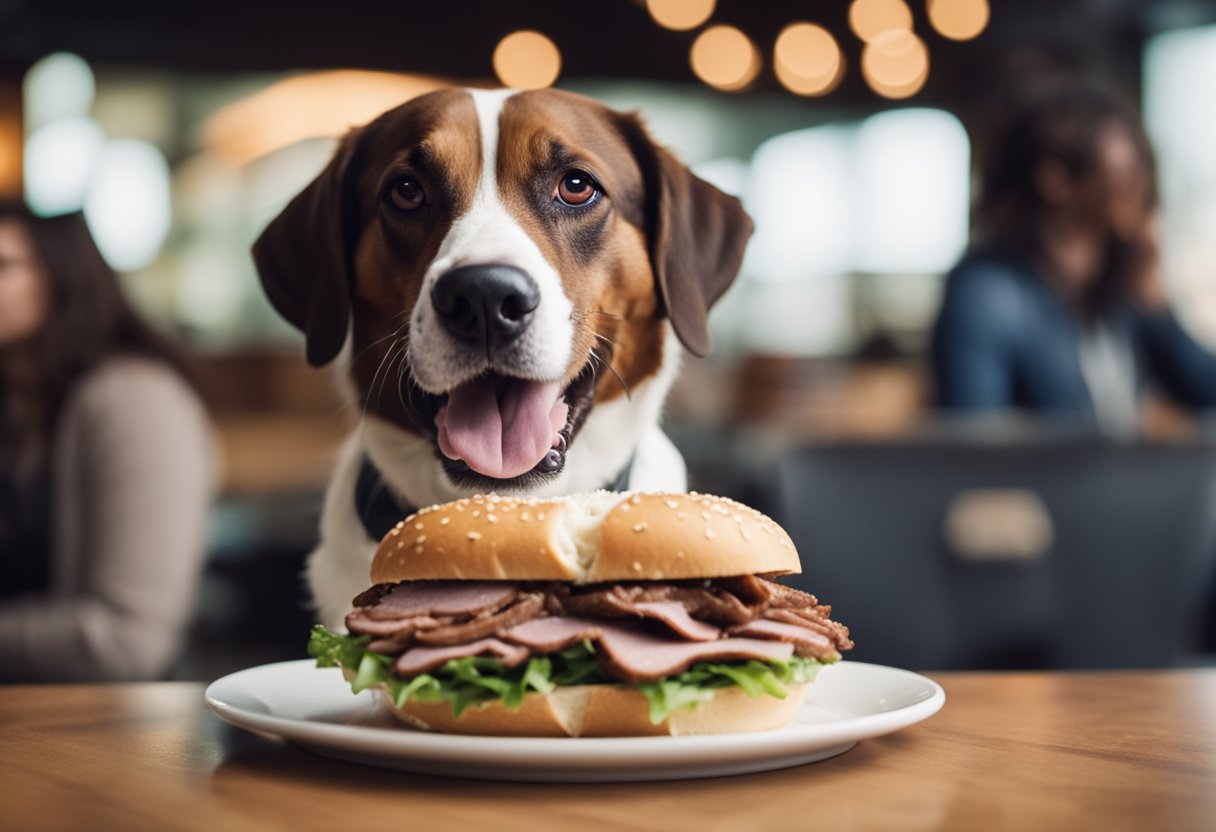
(585, 538)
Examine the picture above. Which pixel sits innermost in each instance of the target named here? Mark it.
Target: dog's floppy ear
(303, 256)
(696, 235)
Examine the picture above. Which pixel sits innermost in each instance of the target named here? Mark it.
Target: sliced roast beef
(675, 615)
(788, 597)
(360, 623)
(371, 595)
(462, 598)
(548, 635)
(611, 602)
(421, 659)
(706, 604)
(526, 607)
(813, 620)
(749, 589)
(630, 652)
(430, 622)
(808, 642)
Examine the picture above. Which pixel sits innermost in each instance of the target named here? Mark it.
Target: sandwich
(600, 614)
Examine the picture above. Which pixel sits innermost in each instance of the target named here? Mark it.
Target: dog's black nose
(486, 306)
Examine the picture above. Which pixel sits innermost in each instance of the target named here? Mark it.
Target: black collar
(380, 509)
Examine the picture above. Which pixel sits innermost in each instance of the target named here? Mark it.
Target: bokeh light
(128, 208)
(870, 18)
(60, 161)
(895, 64)
(527, 60)
(958, 19)
(807, 59)
(725, 58)
(61, 85)
(680, 15)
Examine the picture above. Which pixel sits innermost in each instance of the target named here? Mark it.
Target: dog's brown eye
(407, 194)
(577, 188)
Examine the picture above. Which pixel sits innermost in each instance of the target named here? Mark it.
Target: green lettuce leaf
(473, 680)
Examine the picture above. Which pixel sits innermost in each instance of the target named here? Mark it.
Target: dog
(504, 282)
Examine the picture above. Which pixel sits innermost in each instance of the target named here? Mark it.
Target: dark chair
(966, 554)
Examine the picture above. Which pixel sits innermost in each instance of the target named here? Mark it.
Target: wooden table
(1075, 751)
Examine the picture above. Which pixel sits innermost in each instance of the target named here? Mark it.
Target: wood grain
(1009, 751)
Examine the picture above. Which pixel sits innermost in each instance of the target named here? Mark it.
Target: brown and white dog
(501, 278)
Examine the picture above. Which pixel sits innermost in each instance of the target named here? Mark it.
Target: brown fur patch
(435, 140)
(598, 251)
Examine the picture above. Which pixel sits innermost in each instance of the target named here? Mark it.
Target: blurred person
(105, 467)
(1059, 308)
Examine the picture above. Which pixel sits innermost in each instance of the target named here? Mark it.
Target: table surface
(1095, 750)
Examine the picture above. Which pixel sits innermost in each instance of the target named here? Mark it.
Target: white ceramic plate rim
(922, 698)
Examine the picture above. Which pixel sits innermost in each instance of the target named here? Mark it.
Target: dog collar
(379, 509)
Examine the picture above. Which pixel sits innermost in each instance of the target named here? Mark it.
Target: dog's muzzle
(501, 424)
(485, 306)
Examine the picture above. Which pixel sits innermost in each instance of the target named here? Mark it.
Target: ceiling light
(725, 58)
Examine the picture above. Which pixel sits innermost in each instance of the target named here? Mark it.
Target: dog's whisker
(611, 369)
(395, 333)
(402, 366)
(605, 339)
(372, 386)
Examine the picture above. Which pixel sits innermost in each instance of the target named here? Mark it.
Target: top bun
(584, 538)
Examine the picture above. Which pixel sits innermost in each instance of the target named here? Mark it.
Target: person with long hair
(1059, 308)
(105, 467)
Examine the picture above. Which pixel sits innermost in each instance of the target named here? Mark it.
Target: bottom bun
(603, 711)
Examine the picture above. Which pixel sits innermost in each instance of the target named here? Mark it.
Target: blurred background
(849, 129)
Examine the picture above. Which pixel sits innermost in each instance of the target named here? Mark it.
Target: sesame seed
(395, 531)
(445, 521)
(639, 527)
(540, 515)
(784, 542)
(525, 515)
(738, 519)
(624, 506)
(705, 515)
(671, 503)
(460, 507)
(680, 515)
(418, 550)
(636, 500)
(709, 533)
(400, 544)
(476, 513)
(420, 539)
(491, 518)
(474, 535)
(637, 566)
(418, 526)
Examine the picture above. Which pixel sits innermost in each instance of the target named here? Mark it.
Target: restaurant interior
(851, 131)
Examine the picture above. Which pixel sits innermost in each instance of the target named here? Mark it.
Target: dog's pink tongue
(501, 435)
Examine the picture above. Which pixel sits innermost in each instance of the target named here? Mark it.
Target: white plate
(314, 708)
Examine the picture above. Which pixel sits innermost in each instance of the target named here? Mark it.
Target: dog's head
(500, 262)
